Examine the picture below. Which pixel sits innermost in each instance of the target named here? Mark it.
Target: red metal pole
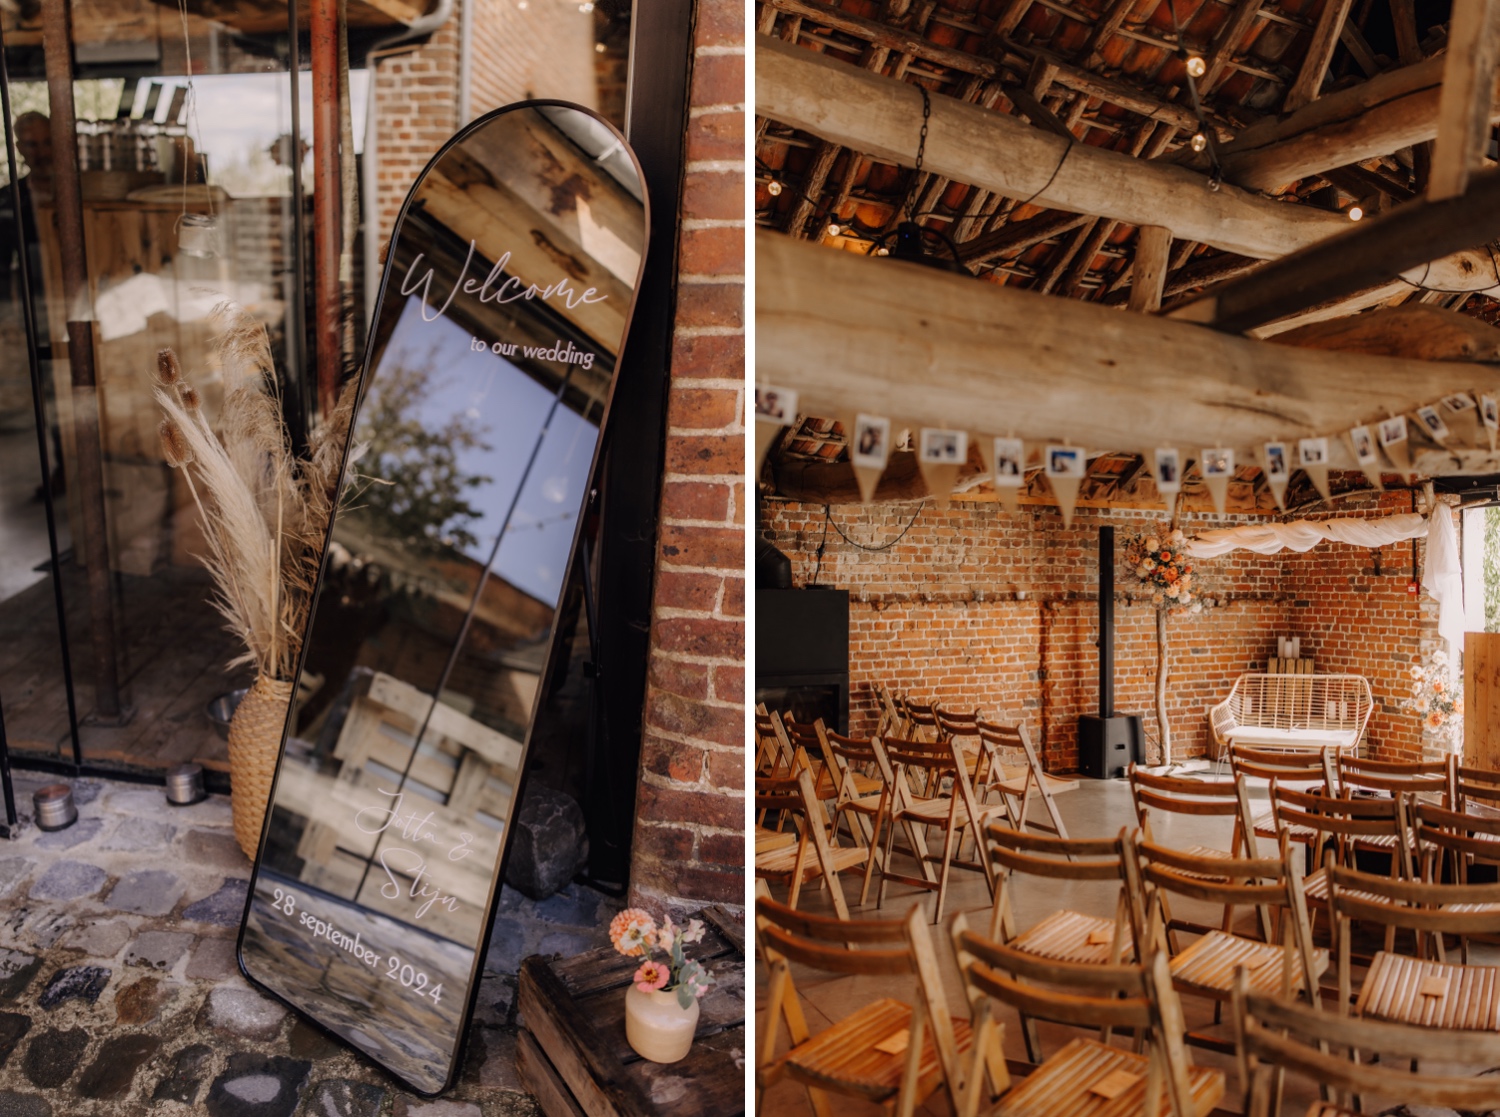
(327, 190)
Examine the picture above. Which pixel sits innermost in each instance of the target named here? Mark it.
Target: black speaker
(1107, 746)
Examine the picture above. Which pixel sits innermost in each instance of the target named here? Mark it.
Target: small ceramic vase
(657, 1027)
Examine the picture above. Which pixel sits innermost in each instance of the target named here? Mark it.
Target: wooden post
(1464, 108)
(1152, 252)
(1161, 687)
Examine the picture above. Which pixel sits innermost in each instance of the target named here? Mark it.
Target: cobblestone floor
(119, 992)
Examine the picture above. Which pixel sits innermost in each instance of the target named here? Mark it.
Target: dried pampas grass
(264, 511)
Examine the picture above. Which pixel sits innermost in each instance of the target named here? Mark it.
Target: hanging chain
(911, 197)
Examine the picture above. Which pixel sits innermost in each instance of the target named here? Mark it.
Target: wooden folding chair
(1201, 799)
(1062, 936)
(1431, 992)
(816, 853)
(1450, 844)
(1087, 1077)
(890, 718)
(921, 719)
(1016, 785)
(958, 812)
(886, 1052)
(1273, 1036)
(1432, 781)
(862, 813)
(773, 750)
(1206, 966)
(1301, 769)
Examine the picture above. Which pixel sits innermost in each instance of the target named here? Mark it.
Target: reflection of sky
(508, 408)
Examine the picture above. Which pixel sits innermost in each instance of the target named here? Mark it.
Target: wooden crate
(572, 1053)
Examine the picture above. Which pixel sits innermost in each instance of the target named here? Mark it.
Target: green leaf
(684, 996)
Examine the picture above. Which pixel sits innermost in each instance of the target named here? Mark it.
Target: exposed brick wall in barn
(689, 838)
(975, 607)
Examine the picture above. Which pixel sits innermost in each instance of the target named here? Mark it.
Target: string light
(834, 230)
(1196, 67)
(773, 188)
(1199, 140)
(1355, 213)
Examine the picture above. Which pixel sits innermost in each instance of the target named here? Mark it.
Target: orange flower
(1166, 556)
(651, 977)
(631, 930)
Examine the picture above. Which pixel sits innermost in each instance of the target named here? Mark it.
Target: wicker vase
(254, 739)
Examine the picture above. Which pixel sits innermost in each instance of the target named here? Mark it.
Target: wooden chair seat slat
(1315, 887)
(1208, 965)
(1392, 991)
(784, 860)
(845, 1054)
(768, 840)
(1064, 937)
(1061, 1087)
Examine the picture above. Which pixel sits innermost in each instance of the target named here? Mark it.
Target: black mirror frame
(545, 680)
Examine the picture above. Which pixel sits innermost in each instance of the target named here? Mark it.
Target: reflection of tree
(411, 486)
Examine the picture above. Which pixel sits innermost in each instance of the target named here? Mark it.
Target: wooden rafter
(1469, 74)
(937, 349)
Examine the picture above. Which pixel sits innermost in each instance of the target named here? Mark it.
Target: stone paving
(119, 991)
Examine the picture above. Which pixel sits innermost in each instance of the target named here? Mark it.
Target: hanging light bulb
(834, 230)
(1196, 67)
(773, 188)
(1355, 213)
(1199, 140)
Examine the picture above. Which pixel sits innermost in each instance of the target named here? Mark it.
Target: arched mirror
(507, 294)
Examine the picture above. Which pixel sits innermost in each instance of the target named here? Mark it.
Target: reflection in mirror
(507, 295)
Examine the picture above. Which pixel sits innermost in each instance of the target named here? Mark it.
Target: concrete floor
(1098, 808)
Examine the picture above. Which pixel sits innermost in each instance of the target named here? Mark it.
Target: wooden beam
(1104, 29)
(1153, 249)
(879, 116)
(1018, 236)
(1016, 60)
(810, 188)
(1393, 110)
(1424, 333)
(1463, 136)
(1370, 254)
(1227, 41)
(936, 348)
(1325, 39)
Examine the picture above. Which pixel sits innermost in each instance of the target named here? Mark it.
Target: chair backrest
(917, 767)
(921, 719)
(956, 723)
(1465, 838)
(1480, 786)
(773, 750)
(1139, 997)
(1259, 882)
(1421, 906)
(1309, 766)
(1433, 777)
(1204, 798)
(1011, 851)
(1345, 821)
(1272, 1033)
(871, 947)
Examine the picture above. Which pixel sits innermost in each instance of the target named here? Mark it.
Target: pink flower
(651, 977)
(631, 931)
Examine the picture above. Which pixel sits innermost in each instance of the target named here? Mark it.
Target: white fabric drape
(1304, 535)
(1442, 578)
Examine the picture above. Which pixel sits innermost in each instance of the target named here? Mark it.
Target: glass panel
(186, 202)
(505, 306)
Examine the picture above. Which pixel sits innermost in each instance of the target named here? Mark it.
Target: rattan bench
(1293, 712)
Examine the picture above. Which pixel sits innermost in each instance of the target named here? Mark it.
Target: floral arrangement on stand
(1436, 701)
(1161, 563)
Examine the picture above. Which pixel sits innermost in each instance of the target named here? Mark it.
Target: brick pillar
(689, 842)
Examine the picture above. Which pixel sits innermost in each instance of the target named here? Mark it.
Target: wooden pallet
(572, 1053)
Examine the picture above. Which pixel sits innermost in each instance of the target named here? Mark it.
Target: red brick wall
(689, 837)
(978, 608)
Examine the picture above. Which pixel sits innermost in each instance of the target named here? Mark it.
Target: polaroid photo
(1489, 411)
(1459, 401)
(944, 447)
(775, 405)
(1313, 451)
(1217, 462)
(1433, 423)
(1065, 461)
(1363, 442)
(870, 441)
(1276, 465)
(1392, 430)
(1010, 463)
(1168, 470)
